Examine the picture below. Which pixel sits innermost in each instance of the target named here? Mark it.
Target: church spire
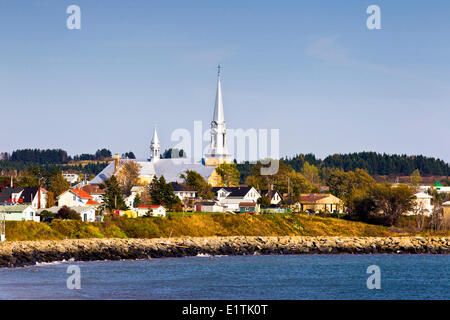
(155, 147)
(218, 107)
(218, 151)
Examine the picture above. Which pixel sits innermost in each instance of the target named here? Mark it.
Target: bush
(65, 213)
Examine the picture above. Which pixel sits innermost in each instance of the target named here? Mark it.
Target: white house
(183, 192)
(34, 196)
(87, 213)
(274, 196)
(422, 205)
(72, 178)
(208, 206)
(74, 198)
(230, 197)
(20, 213)
(156, 210)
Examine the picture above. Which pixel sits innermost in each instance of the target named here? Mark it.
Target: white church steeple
(218, 149)
(155, 149)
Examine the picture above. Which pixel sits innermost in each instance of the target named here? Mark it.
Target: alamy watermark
(374, 280)
(250, 145)
(74, 280)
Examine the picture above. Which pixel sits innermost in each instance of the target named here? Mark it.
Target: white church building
(172, 168)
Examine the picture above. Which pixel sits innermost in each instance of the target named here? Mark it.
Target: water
(237, 277)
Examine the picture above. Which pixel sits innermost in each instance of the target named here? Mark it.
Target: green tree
(415, 179)
(194, 180)
(57, 184)
(65, 213)
(229, 174)
(392, 202)
(137, 201)
(264, 201)
(112, 198)
(161, 193)
(285, 180)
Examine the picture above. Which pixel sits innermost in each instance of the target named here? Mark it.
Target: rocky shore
(22, 253)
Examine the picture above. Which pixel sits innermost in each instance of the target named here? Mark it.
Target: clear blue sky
(310, 68)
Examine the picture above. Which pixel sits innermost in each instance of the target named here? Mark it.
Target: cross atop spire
(218, 70)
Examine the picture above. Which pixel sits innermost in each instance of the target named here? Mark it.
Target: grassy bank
(195, 225)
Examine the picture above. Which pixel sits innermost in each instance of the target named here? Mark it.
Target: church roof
(169, 168)
(218, 107)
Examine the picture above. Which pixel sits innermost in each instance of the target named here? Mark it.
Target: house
(135, 191)
(94, 191)
(422, 205)
(74, 198)
(34, 196)
(318, 202)
(20, 213)
(231, 197)
(248, 207)
(87, 213)
(183, 192)
(275, 196)
(208, 206)
(71, 178)
(437, 186)
(155, 210)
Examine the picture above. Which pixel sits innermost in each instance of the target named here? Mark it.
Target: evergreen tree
(113, 199)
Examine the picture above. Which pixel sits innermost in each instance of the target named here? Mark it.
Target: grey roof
(234, 191)
(27, 195)
(169, 168)
(15, 208)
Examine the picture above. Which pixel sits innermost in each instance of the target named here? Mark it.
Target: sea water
(236, 277)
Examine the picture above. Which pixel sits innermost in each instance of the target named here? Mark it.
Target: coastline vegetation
(202, 225)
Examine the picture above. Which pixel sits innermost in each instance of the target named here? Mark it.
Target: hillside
(194, 225)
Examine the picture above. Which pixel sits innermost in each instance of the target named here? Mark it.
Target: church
(172, 168)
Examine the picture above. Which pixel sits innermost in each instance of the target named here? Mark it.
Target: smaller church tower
(155, 149)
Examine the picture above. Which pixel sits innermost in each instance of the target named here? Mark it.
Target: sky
(311, 69)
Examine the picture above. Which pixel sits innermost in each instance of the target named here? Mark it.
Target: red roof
(90, 201)
(81, 193)
(312, 197)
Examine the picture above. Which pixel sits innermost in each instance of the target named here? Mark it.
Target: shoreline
(26, 253)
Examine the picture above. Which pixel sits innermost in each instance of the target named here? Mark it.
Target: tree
(264, 201)
(173, 153)
(285, 180)
(415, 179)
(31, 177)
(161, 193)
(194, 180)
(50, 199)
(103, 154)
(229, 174)
(129, 155)
(392, 202)
(349, 185)
(65, 213)
(46, 215)
(112, 198)
(137, 201)
(311, 173)
(57, 183)
(128, 176)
